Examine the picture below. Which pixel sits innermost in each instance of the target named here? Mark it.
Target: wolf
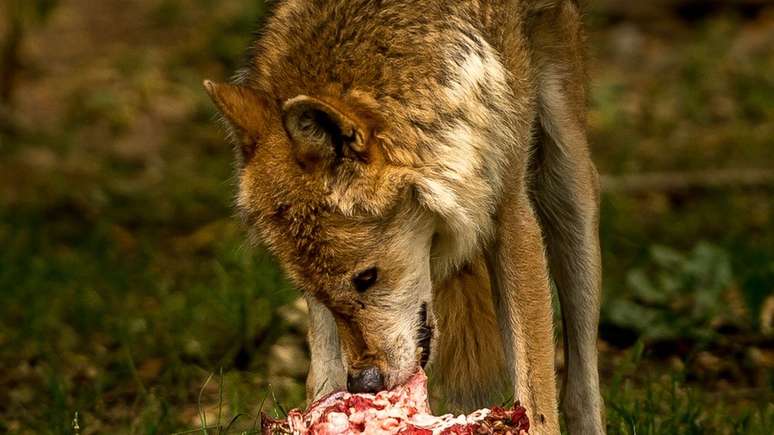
(420, 170)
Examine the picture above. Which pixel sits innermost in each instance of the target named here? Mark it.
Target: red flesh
(403, 410)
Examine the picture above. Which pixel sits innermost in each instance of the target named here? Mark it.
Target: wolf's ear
(241, 106)
(322, 133)
(244, 110)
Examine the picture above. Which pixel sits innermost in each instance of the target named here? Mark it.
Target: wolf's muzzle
(368, 380)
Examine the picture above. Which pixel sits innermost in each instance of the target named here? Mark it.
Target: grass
(645, 399)
(127, 284)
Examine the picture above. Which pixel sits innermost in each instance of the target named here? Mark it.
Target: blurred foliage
(680, 297)
(127, 282)
(18, 15)
(41, 8)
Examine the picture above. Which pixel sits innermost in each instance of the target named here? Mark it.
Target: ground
(130, 297)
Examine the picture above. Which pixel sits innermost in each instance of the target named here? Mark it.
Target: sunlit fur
(447, 149)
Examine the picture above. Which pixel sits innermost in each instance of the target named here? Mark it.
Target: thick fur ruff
(469, 359)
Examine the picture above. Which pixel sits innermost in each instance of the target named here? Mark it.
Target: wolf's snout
(368, 380)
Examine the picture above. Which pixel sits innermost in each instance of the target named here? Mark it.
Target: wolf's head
(348, 226)
(374, 141)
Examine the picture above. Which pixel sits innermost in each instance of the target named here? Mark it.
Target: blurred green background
(126, 282)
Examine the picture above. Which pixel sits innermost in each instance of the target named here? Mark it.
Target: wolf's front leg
(326, 371)
(522, 298)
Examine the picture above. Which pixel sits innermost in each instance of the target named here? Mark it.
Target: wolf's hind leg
(566, 195)
(567, 206)
(565, 192)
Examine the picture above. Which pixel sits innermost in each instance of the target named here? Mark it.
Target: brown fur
(442, 143)
(469, 360)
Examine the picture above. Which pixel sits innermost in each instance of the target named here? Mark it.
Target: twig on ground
(682, 181)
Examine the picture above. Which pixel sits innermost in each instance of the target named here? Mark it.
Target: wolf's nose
(368, 380)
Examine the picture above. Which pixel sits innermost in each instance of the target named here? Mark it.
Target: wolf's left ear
(323, 133)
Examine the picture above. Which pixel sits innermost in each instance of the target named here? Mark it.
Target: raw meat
(403, 410)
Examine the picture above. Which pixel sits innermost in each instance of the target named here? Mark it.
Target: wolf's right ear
(241, 106)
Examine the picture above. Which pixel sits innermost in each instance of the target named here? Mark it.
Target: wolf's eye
(365, 279)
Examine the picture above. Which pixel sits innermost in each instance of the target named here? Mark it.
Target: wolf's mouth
(424, 336)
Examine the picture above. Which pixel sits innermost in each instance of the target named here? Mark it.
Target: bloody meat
(402, 410)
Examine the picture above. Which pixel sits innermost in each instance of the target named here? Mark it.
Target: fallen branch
(682, 181)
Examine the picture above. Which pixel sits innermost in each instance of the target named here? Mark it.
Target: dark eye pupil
(365, 280)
